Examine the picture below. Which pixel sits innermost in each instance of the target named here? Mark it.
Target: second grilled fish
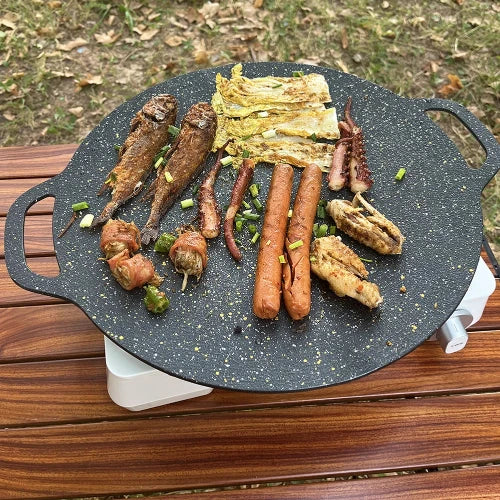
(187, 156)
(148, 134)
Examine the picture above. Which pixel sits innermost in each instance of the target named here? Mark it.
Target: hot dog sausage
(297, 269)
(267, 291)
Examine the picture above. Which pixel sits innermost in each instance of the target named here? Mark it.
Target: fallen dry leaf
(344, 39)
(153, 16)
(258, 3)
(342, 65)
(54, 4)
(107, 38)
(174, 40)
(148, 34)
(450, 88)
(9, 116)
(88, 80)
(200, 53)
(63, 74)
(73, 44)
(178, 24)
(77, 111)
(209, 10)
(9, 23)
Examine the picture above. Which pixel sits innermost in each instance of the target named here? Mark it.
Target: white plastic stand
(136, 386)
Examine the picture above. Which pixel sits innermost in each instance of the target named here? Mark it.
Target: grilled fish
(148, 134)
(187, 156)
(336, 263)
(373, 230)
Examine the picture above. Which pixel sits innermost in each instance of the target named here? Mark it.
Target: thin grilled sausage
(297, 269)
(267, 291)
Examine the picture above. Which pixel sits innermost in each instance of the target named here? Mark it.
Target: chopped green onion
(255, 238)
(252, 228)
(187, 203)
(401, 173)
(87, 221)
(246, 137)
(164, 243)
(295, 244)
(238, 242)
(247, 214)
(298, 73)
(333, 229)
(290, 213)
(246, 204)
(239, 225)
(277, 85)
(117, 147)
(322, 230)
(195, 189)
(281, 258)
(263, 114)
(245, 154)
(320, 212)
(322, 203)
(312, 258)
(155, 301)
(365, 260)
(173, 131)
(159, 161)
(269, 133)
(80, 206)
(169, 177)
(315, 229)
(254, 190)
(227, 160)
(313, 137)
(258, 204)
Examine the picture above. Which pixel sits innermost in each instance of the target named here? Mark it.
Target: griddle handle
(487, 140)
(15, 258)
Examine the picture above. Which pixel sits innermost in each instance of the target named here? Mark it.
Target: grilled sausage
(297, 269)
(267, 291)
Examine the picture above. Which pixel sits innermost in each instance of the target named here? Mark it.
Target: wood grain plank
(34, 161)
(68, 391)
(47, 332)
(11, 189)
(13, 295)
(472, 484)
(37, 236)
(491, 315)
(227, 448)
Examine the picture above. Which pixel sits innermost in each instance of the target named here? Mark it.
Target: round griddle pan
(210, 335)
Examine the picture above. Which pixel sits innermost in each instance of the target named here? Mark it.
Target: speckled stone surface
(210, 335)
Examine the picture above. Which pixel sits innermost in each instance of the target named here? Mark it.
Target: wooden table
(427, 426)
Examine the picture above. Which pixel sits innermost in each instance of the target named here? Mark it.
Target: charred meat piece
(209, 216)
(118, 235)
(189, 254)
(133, 272)
(373, 230)
(148, 134)
(245, 174)
(336, 263)
(349, 158)
(187, 156)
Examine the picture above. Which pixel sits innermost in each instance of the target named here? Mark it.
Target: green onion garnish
(322, 230)
(173, 131)
(322, 203)
(164, 243)
(254, 190)
(159, 161)
(277, 85)
(258, 204)
(333, 229)
(245, 154)
(255, 238)
(187, 203)
(239, 225)
(290, 213)
(227, 160)
(246, 137)
(313, 137)
(168, 177)
(247, 214)
(87, 220)
(365, 260)
(320, 212)
(401, 173)
(195, 189)
(298, 73)
(252, 228)
(246, 204)
(281, 258)
(315, 229)
(312, 258)
(82, 205)
(117, 147)
(295, 244)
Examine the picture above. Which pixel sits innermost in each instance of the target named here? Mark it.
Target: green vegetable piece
(82, 205)
(295, 244)
(365, 260)
(277, 85)
(298, 73)
(320, 212)
(315, 229)
(252, 228)
(323, 229)
(281, 258)
(195, 189)
(247, 214)
(313, 137)
(245, 154)
(187, 203)
(239, 225)
(254, 190)
(333, 230)
(164, 242)
(117, 147)
(159, 161)
(401, 173)
(155, 301)
(322, 203)
(257, 204)
(255, 238)
(246, 204)
(173, 131)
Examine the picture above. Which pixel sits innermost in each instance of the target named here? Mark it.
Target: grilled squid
(189, 254)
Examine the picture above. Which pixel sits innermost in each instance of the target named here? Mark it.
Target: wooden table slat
(472, 483)
(68, 391)
(220, 449)
(35, 161)
(11, 189)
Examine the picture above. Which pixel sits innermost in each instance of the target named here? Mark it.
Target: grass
(408, 48)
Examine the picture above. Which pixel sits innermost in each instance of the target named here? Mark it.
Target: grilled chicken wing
(373, 230)
(336, 263)
(148, 133)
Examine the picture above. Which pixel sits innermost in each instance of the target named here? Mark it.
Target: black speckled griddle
(210, 335)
